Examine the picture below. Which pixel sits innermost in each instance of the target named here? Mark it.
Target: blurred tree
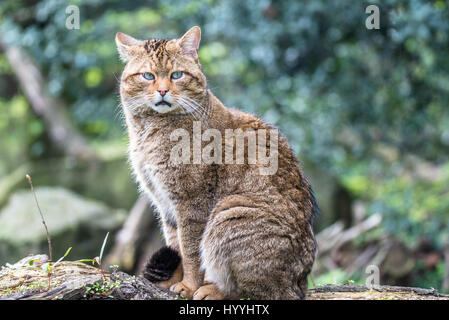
(61, 131)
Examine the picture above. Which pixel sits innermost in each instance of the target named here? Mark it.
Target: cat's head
(163, 75)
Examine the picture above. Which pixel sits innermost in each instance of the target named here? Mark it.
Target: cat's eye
(176, 75)
(148, 75)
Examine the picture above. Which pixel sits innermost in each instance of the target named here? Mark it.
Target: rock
(72, 222)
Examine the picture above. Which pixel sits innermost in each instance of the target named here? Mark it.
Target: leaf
(67, 252)
(32, 261)
(102, 247)
(85, 260)
(46, 267)
(65, 255)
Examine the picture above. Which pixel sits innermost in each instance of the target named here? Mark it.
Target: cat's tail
(162, 265)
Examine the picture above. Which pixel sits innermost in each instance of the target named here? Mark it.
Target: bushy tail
(162, 265)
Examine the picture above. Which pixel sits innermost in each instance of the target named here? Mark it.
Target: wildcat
(233, 232)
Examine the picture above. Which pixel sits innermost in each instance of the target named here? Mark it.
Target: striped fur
(239, 234)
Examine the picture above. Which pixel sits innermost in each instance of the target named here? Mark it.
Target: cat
(238, 233)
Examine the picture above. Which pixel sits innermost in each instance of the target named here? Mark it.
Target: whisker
(186, 107)
(193, 102)
(197, 104)
(190, 112)
(134, 102)
(192, 106)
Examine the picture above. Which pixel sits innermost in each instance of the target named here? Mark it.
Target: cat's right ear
(124, 44)
(190, 42)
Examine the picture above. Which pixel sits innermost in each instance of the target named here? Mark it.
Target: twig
(42, 216)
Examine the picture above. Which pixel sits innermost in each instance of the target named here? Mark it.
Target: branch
(61, 131)
(334, 237)
(123, 252)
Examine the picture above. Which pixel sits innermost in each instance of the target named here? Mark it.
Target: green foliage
(412, 208)
(98, 259)
(102, 288)
(336, 276)
(432, 278)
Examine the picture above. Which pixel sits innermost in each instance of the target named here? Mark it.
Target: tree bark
(74, 281)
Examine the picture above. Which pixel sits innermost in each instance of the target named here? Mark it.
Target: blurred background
(366, 111)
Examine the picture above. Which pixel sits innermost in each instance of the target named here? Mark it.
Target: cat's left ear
(124, 44)
(190, 42)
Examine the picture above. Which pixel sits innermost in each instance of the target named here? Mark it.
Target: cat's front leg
(190, 230)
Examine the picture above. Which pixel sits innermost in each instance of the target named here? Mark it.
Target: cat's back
(288, 179)
(287, 160)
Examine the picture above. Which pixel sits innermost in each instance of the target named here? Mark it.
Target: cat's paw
(208, 292)
(183, 290)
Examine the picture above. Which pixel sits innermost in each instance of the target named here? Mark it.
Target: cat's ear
(190, 42)
(124, 44)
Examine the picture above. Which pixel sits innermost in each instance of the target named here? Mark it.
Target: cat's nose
(162, 91)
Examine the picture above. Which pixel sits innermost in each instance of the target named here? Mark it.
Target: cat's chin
(163, 108)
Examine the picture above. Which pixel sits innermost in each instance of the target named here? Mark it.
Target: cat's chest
(151, 166)
(170, 185)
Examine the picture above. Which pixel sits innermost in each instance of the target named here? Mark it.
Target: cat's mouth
(163, 103)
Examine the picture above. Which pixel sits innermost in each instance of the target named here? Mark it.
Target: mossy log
(74, 281)
(78, 281)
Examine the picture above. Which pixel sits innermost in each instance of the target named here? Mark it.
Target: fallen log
(361, 292)
(74, 281)
(79, 281)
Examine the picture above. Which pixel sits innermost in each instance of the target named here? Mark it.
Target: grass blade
(84, 260)
(102, 247)
(65, 255)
